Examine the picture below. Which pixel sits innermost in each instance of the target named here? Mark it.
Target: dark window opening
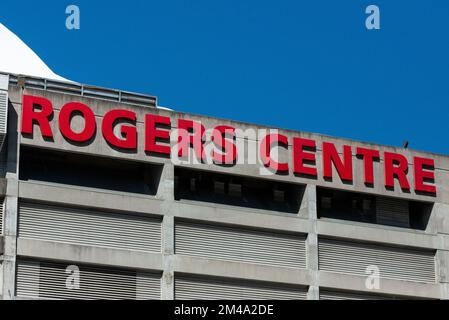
(238, 191)
(88, 171)
(367, 208)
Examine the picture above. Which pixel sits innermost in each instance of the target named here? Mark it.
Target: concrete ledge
(29, 248)
(387, 287)
(380, 234)
(244, 271)
(78, 196)
(241, 217)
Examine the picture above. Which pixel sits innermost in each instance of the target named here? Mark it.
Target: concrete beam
(378, 233)
(30, 248)
(239, 216)
(340, 281)
(236, 270)
(91, 198)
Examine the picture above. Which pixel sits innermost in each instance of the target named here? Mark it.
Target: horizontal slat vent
(3, 111)
(2, 212)
(192, 288)
(393, 262)
(240, 244)
(350, 295)
(47, 280)
(89, 227)
(3, 117)
(392, 212)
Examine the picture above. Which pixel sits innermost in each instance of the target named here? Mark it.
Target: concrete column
(442, 268)
(443, 272)
(10, 242)
(312, 242)
(11, 207)
(166, 192)
(168, 285)
(441, 221)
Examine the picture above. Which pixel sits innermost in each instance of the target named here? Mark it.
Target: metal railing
(83, 90)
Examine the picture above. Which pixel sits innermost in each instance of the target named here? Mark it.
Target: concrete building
(83, 218)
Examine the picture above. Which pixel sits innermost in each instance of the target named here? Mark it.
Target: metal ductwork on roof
(4, 83)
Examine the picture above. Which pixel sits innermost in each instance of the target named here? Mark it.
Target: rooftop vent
(4, 80)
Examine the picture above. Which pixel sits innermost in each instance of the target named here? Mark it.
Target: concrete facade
(163, 204)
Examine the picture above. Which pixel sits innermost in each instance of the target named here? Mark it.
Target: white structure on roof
(19, 59)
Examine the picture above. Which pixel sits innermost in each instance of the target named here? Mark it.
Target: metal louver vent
(193, 288)
(393, 262)
(3, 117)
(2, 210)
(89, 227)
(348, 295)
(392, 212)
(240, 244)
(48, 280)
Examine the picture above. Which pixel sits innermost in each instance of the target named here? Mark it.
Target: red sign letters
(191, 134)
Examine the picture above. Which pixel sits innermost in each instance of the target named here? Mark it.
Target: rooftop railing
(83, 90)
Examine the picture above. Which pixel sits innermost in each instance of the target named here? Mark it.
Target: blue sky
(303, 65)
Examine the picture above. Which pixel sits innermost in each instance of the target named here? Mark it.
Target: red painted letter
(265, 151)
(129, 132)
(368, 159)
(396, 166)
(29, 116)
(421, 174)
(228, 150)
(185, 139)
(65, 116)
(330, 155)
(299, 156)
(152, 134)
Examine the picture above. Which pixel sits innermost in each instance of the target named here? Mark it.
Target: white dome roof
(17, 58)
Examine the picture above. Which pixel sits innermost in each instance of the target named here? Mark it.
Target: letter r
(30, 116)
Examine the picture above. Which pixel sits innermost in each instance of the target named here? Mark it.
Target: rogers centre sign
(191, 134)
